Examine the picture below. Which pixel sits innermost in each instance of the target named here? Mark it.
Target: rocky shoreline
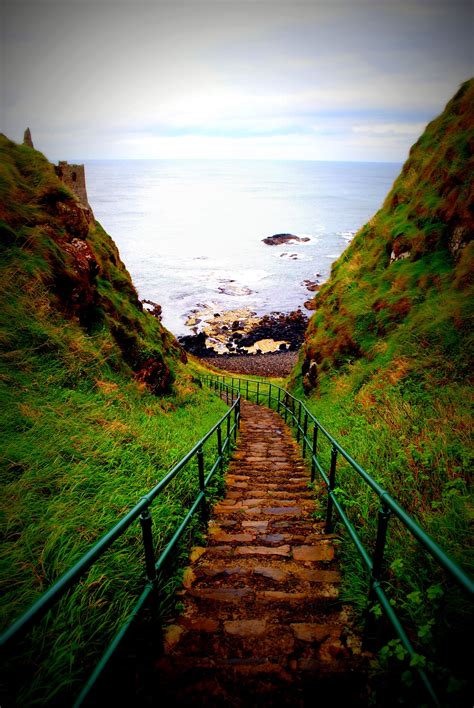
(243, 333)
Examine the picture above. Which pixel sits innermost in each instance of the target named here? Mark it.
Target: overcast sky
(281, 79)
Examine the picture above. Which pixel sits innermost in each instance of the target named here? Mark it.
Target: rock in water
(278, 239)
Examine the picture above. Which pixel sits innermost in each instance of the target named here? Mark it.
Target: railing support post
(247, 390)
(236, 418)
(377, 568)
(147, 536)
(202, 488)
(377, 560)
(313, 452)
(219, 448)
(298, 425)
(278, 400)
(258, 391)
(332, 484)
(305, 432)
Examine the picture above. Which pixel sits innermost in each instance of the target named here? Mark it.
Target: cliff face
(398, 299)
(62, 277)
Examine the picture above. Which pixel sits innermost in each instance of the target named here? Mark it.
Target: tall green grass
(82, 437)
(76, 459)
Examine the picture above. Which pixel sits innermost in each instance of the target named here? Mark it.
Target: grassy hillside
(96, 405)
(387, 367)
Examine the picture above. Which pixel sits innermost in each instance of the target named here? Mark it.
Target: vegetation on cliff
(96, 404)
(386, 366)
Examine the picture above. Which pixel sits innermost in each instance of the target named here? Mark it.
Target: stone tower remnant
(74, 178)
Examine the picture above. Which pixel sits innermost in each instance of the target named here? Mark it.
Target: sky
(353, 80)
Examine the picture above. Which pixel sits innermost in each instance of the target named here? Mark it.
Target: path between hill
(262, 623)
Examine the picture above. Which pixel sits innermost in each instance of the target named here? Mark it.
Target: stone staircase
(261, 621)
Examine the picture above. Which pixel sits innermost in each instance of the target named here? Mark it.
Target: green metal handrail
(230, 422)
(288, 405)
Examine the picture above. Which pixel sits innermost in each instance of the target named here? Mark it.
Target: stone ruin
(74, 178)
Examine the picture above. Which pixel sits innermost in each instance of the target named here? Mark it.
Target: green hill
(387, 367)
(96, 404)
(399, 296)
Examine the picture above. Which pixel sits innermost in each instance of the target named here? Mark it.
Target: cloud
(119, 77)
(412, 129)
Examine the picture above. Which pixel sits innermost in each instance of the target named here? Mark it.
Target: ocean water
(190, 231)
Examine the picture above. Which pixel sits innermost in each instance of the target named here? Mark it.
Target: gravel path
(277, 364)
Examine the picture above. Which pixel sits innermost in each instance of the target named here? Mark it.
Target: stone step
(256, 573)
(262, 622)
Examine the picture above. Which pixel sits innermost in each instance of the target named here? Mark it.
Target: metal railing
(309, 432)
(225, 431)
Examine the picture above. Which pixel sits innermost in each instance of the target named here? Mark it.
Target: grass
(97, 404)
(75, 461)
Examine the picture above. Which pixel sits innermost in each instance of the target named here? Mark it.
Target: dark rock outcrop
(156, 375)
(278, 239)
(153, 308)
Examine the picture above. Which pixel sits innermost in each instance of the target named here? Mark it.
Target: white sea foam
(347, 235)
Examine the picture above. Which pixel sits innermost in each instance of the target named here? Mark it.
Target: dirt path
(261, 622)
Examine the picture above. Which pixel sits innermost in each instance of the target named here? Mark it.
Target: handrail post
(147, 536)
(236, 418)
(219, 448)
(305, 432)
(377, 560)
(258, 390)
(332, 484)
(278, 400)
(313, 452)
(298, 425)
(377, 568)
(247, 393)
(228, 430)
(202, 488)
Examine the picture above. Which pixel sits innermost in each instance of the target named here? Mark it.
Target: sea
(190, 232)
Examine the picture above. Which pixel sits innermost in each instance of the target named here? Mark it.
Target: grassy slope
(83, 433)
(387, 361)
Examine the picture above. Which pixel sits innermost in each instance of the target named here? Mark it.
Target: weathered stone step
(262, 622)
(262, 573)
